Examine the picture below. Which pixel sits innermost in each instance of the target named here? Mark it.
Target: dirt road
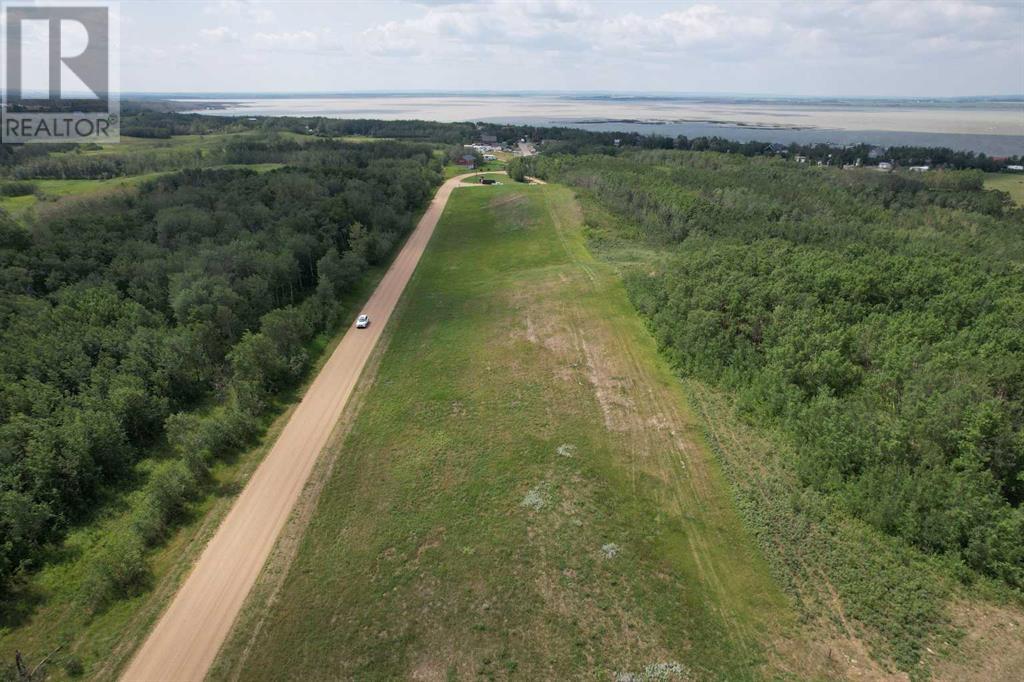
(188, 635)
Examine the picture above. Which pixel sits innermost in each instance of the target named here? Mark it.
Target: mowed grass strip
(1012, 183)
(522, 493)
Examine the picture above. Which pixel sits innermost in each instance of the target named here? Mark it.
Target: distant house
(616, 142)
(875, 152)
(885, 166)
(467, 160)
(920, 169)
(1015, 168)
(800, 158)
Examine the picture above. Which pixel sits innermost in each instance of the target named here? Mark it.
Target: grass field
(55, 189)
(523, 492)
(1007, 182)
(50, 190)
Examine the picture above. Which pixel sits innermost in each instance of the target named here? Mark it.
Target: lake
(991, 125)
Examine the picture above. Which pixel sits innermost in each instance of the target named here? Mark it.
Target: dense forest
(875, 318)
(168, 317)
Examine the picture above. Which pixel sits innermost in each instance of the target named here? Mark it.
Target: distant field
(523, 492)
(1013, 183)
(137, 144)
(129, 144)
(50, 189)
(63, 188)
(55, 189)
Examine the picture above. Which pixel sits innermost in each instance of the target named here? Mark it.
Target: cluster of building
(487, 145)
(877, 153)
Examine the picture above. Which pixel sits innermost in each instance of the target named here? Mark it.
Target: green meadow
(1012, 183)
(523, 492)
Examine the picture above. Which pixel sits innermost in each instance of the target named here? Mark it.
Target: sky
(908, 48)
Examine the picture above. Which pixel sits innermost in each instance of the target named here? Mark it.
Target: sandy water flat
(995, 118)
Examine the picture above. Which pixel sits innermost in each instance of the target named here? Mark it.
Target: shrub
(73, 666)
(17, 189)
(119, 570)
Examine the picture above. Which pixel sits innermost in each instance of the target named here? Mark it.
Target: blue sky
(840, 47)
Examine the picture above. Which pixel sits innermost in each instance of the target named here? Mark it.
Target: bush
(17, 189)
(168, 489)
(73, 666)
(119, 570)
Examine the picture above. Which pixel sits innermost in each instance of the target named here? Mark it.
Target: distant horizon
(591, 92)
(989, 124)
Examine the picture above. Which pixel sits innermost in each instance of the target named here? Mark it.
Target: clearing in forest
(522, 491)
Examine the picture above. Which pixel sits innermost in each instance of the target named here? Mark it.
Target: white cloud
(709, 28)
(252, 11)
(718, 28)
(300, 41)
(221, 34)
(883, 47)
(465, 28)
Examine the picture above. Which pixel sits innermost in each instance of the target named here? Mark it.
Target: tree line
(54, 161)
(874, 318)
(828, 154)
